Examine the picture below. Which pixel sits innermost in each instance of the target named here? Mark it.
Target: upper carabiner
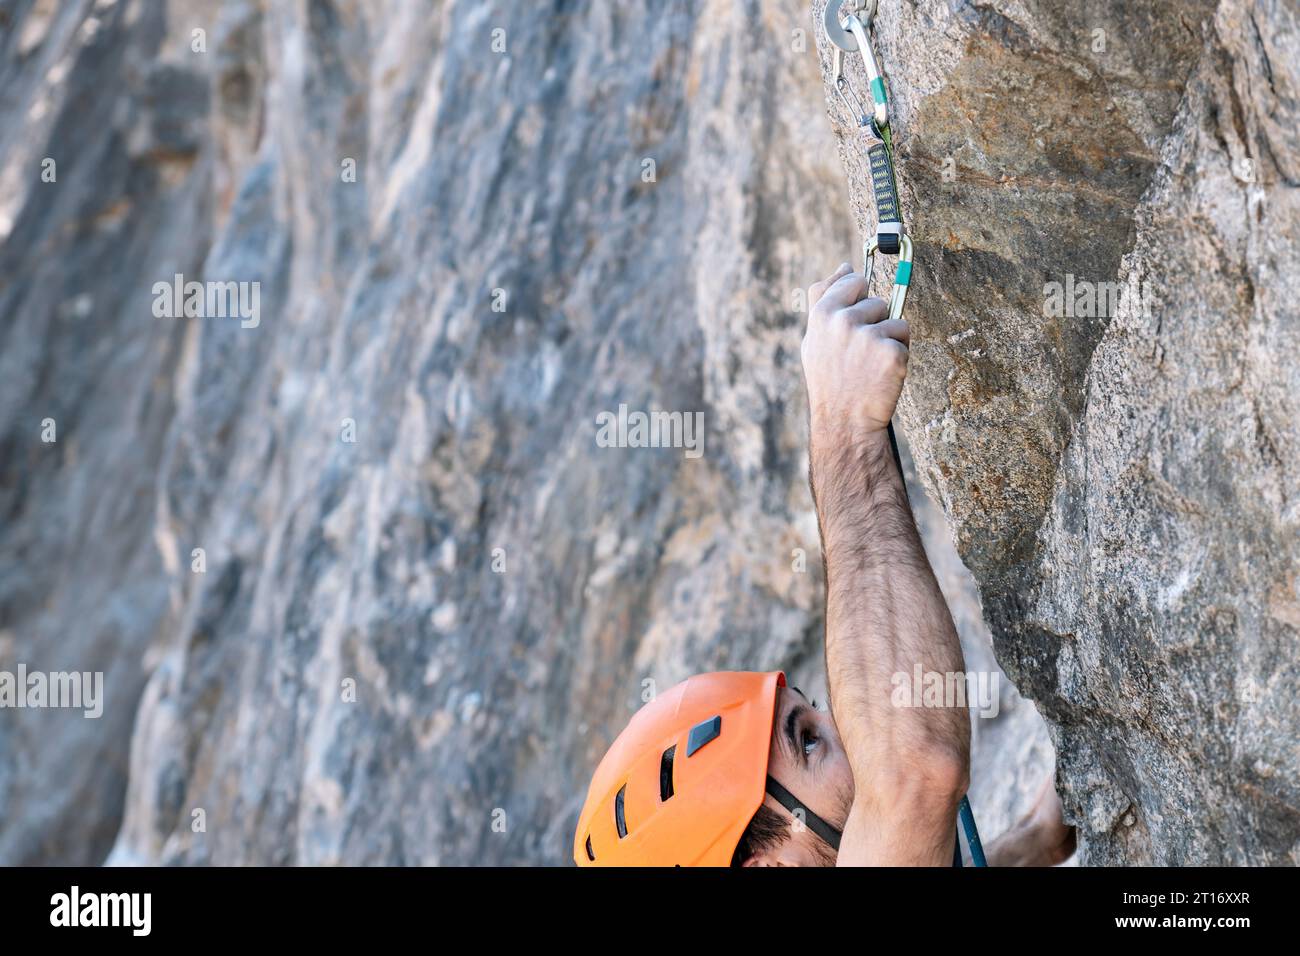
(848, 25)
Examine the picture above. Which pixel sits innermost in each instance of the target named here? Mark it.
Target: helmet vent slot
(618, 813)
(666, 773)
(702, 733)
(590, 855)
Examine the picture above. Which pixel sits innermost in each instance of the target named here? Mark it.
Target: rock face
(1121, 481)
(364, 582)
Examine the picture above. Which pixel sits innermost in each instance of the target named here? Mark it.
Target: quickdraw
(848, 25)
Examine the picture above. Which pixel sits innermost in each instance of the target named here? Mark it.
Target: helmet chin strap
(832, 836)
(809, 819)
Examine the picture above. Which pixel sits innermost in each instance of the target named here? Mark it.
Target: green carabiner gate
(902, 273)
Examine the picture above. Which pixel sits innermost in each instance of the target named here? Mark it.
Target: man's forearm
(884, 613)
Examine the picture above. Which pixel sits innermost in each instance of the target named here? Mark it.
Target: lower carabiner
(902, 272)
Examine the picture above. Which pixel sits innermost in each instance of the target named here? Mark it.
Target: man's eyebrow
(790, 720)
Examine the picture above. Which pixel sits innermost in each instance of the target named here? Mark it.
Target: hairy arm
(885, 613)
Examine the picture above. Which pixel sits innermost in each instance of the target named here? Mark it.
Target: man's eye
(809, 743)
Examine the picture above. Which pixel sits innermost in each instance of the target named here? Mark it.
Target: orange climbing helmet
(683, 779)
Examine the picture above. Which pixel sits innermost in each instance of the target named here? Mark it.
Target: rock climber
(738, 768)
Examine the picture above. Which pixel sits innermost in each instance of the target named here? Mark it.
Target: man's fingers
(845, 291)
(896, 329)
(865, 312)
(818, 289)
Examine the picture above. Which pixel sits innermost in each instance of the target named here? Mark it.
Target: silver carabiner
(848, 26)
(902, 273)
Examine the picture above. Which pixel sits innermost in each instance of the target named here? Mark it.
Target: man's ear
(789, 853)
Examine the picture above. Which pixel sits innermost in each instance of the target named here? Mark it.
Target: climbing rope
(848, 26)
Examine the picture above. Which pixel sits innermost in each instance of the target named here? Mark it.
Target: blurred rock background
(475, 228)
